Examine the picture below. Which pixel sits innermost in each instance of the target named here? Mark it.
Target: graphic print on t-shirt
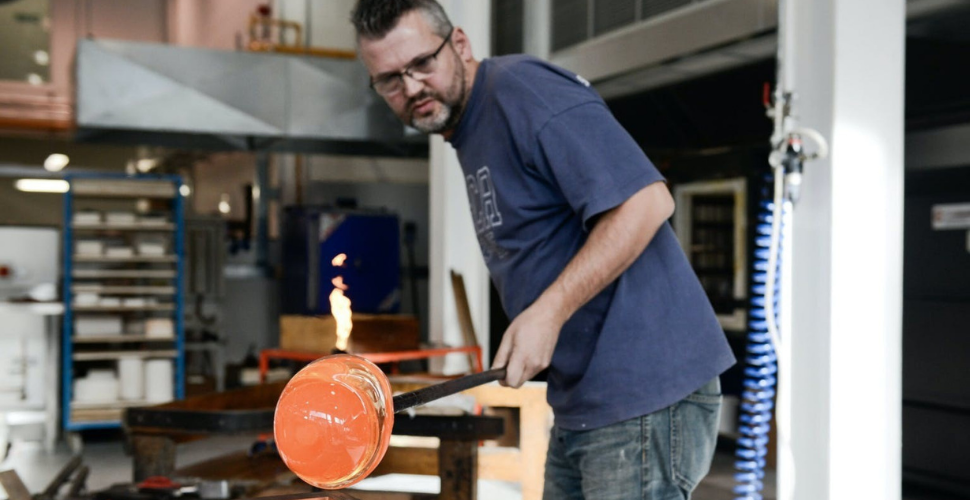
(485, 212)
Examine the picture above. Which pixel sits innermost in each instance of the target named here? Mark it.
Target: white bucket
(132, 376)
(160, 383)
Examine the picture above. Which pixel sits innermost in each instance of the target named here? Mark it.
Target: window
(570, 23)
(711, 224)
(507, 24)
(575, 21)
(613, 14)
(652, 8)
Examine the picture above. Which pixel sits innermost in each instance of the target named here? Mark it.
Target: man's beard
(450, 109)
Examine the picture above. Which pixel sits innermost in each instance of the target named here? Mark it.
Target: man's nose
(412, 86)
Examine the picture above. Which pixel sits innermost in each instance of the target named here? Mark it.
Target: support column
(846, 65)
(537, 28)
(453, 241)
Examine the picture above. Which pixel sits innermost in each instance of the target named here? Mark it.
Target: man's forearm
(616, 241)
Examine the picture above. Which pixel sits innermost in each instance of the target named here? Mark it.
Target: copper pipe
(309, 51)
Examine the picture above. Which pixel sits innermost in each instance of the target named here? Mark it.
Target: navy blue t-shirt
(542, 157)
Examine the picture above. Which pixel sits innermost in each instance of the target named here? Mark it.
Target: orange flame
(338, 282)
(340, 306)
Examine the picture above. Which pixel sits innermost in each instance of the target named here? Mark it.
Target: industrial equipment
(370, 241)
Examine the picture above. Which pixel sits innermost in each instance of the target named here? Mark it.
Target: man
(572, 221)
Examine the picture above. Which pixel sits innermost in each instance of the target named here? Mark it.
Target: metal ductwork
(189, 98)
(692, 41)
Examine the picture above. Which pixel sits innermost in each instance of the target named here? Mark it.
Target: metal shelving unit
(107, 274)
(160, 308)
(157, 279)
(114, 355)
(123, 227)
(134, 259)
(125, 290)
(121, 339)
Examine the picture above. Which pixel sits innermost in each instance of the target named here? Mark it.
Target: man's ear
(462, 45)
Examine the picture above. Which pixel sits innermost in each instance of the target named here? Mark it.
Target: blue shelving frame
(67, 348)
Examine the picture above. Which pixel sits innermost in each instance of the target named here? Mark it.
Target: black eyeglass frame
(410, 67)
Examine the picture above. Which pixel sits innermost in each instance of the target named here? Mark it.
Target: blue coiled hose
(760, 373)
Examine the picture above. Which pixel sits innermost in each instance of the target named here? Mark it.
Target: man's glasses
(420, 69)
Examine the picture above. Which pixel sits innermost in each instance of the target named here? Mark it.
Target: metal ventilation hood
(188, 98)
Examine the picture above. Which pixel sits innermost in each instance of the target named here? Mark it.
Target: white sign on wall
(951, 216)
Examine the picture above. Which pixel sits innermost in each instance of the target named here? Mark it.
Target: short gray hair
(374, 19)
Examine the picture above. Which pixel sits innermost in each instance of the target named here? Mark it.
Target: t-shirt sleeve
(592, 159)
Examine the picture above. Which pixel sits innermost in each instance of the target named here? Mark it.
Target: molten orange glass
(333, 421)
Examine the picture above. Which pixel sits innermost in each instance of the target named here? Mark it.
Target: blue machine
(314, 236)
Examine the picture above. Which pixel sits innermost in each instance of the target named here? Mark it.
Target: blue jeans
(660, 456)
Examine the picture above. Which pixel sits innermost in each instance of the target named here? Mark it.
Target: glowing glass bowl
(333, 421)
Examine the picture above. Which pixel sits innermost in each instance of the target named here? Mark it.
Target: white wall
(213, 24)
(453, 241)
(357, 169)
(142, 21)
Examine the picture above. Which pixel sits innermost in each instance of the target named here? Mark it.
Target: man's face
(430, 103)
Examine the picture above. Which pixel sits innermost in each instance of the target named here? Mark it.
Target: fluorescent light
(146, 165)
(42, 185)
(42, 58)
(56, 162)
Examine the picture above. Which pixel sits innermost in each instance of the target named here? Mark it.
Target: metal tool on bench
(318, 495)
(157, 489)
(163, 488)
(16, 490)
(334, 418)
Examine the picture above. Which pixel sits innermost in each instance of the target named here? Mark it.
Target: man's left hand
(528, 344)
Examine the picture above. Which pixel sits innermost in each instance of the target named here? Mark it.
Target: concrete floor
(110, 465)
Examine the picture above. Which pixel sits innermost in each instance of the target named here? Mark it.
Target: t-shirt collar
(472, 107)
